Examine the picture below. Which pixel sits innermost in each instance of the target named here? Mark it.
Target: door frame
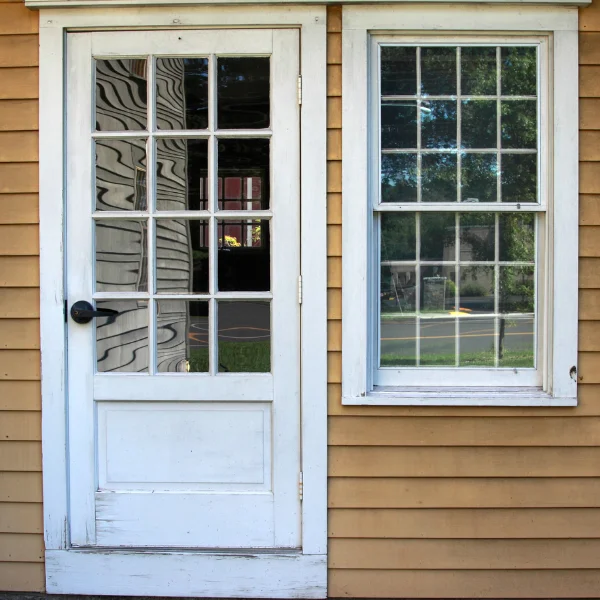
(262, 574)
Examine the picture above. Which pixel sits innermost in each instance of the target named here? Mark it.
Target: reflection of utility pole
(501, 338)
(249, 208)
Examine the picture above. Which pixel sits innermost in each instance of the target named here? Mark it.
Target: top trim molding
(41, 4)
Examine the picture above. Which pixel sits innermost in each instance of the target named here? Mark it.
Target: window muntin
(457, 208)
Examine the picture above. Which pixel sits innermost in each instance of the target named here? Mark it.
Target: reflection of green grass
(236, 357)
(511, 358)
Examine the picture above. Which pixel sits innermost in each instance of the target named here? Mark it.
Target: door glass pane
(244, 255)
(182, 340)
(243, 92)
(244, 336)
(182, 252)
(121, 255)
(181, 174)
(182, 93)
(121, 175)
(244, 178)
(122, 341)
(121, 94)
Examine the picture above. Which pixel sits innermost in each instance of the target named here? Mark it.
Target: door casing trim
(301, 575)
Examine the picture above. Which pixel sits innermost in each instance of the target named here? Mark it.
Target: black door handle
(83, 312)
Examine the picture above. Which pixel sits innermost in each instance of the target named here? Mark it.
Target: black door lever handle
(83, 312)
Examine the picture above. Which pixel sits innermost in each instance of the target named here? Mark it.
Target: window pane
(122, 341)
(517, 237)
(476, 290)
(243, 92)
(519, 178)
(181, 256)
(438, 124)
(244, 337)
(478, 71)
(121, 175)
(516, 339)
(398, 124)
(182, 336)
(181, 174)
(479, 182)
(399, 178)
(121, 255)
(121, 94)
(438, 178)
(438, 289)
(519, 124)
(438, 71)
(479, 124)
(437, 337)
(519, 71)
(398, 236)
(517, 289)
(182, 93)
(398, 71)
(438, 236)
(477, 342)
(477, 237)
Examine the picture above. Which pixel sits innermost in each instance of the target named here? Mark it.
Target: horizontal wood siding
(21, 521)
(469, 502)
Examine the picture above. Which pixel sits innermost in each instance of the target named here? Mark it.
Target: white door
(183, 207)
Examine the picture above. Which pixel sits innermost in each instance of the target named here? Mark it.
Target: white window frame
(245, 574)
(557, 320)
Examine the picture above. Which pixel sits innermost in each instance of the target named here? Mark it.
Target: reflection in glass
(478, 71)
(519, 124)
(399, 178)
(244, 255)
(243, 166)
(438, 289)
(244, 330)
(516, 342)
(438, 236)
(517, 289)
(121, 255)
(438, 179)
(519, 178)
(437, 341)
(479, 181)
(438, 124)
(477, 236)
(398, 236)
(121, 175)
(398, 71)
(243, 92)
(476, 290)
(181, 256)
(477, 342)
(517, 237)
(121, 94)
(182, 336)
(398, 124)
(181, 172)
(181, 93)
(479, 124)
(398, 288)
(398, 340)
(519, 71)
(122, 343)
(438, 71)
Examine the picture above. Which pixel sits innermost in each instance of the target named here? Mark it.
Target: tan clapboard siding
(21, 522)
(384, 461)
(24, 517)
(464, 523)
(588, 111)
(557, 583)
(463, 554)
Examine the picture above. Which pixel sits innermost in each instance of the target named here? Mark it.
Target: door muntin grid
(180, 232)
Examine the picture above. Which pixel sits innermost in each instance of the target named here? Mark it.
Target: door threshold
(190, 550)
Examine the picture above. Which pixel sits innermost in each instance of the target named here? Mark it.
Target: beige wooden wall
(21, 539)
(463, 502)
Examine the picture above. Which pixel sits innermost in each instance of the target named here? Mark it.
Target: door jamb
(300, 575)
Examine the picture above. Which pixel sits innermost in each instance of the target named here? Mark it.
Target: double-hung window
(460, 254)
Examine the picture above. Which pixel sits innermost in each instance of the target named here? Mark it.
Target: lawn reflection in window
(458, 126)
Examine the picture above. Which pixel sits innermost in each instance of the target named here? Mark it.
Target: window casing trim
(558, 314)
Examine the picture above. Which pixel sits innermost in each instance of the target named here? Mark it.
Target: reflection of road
(237, 322)
(438, 335)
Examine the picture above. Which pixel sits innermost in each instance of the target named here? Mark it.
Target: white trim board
(182, 574)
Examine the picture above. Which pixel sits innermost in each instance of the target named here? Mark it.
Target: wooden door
(183, 207)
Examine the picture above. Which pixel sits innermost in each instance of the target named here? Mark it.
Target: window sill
(458, 396)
